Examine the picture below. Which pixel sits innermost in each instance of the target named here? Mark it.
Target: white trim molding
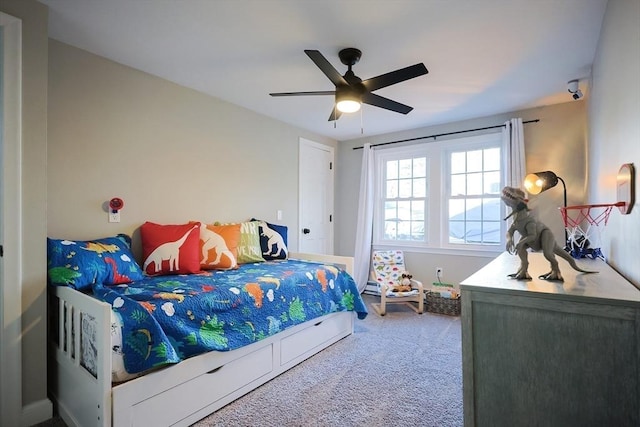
(10, 222)
(36, 412)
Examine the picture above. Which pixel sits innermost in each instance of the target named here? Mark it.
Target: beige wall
(34, 166)
(173, 154)
(557, 143)
(614, 136)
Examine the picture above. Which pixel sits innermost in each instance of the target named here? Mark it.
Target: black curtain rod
(442, 134)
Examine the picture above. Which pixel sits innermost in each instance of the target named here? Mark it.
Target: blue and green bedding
(167, 319)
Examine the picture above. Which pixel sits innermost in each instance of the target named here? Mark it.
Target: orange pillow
(219, 246)
(170, 249)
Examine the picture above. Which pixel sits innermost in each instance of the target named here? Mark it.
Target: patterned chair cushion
(388, 267)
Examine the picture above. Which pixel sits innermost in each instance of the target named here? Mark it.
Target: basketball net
(584, 225)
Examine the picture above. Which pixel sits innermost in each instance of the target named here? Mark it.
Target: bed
(179, 392)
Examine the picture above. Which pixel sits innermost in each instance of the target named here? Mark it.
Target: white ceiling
(484, 57)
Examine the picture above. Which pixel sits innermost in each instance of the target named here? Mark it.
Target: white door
(315, 231)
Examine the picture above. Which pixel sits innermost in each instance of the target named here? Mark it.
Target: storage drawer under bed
(301, 342)
(203, 390)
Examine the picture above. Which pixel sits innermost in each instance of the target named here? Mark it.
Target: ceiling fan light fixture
(348, 100)
(348, 105)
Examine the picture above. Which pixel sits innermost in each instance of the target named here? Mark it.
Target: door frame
(11, 222)
(331, 150)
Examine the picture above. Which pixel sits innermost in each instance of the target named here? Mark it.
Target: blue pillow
(273, 240)
(80, 264)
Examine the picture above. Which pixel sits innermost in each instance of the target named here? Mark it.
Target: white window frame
(438, 181)
(381, 157)
(470, 144)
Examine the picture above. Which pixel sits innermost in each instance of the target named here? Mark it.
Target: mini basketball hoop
(584, 224)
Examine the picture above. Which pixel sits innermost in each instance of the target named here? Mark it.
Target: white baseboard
(36, 412)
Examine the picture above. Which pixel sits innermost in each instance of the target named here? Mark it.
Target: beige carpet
(403, 369)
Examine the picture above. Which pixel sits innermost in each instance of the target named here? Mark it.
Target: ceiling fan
(351, 91)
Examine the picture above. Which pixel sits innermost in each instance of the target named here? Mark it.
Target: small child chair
(388, 267)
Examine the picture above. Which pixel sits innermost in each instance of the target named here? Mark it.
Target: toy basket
(440, 305)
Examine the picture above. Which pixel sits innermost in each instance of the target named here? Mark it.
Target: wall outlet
(114, 216)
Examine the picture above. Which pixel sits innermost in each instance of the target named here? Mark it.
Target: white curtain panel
(364, 225)
(513, 141)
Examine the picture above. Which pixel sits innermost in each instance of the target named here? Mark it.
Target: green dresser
(539, 353)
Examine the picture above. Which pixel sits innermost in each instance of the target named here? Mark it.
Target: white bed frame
(184, 393)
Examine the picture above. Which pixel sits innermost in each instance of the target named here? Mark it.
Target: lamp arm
(564, 188)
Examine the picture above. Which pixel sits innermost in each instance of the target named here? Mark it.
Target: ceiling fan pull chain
(361, 125)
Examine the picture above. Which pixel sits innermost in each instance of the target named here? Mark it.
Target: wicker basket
(437, 304)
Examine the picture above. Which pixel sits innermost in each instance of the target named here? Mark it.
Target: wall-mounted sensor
(574, 90)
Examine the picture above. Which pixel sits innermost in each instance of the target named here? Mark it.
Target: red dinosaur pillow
(170, 249)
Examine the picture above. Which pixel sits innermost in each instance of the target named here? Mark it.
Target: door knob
(306, 231)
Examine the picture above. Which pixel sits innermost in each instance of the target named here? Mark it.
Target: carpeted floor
(403, 369)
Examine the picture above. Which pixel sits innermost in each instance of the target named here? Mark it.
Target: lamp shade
(536, 183)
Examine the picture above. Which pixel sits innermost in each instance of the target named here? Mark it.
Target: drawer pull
(213, 371)
(318, 324)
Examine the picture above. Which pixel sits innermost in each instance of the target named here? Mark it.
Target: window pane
(392, 169)
(405, 188)
(405, 168)
(390, 230)
(474, 161)
(456, 207)
(458, 185)
(392, 189)
(474, 210)
(492, 159)
(474, 184)
(419, 187)
(491, 210)
(417, 231)
(404, 230)
(417, 211)
(390, 210)
(473, 232)
(492, 183)
(491, 233)
(456, 231)
(404, 211)
(420, 167)
(458, 164)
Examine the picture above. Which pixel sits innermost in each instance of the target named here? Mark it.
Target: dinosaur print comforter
(170, 318)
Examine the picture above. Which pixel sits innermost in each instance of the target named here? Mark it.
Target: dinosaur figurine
(534, 235)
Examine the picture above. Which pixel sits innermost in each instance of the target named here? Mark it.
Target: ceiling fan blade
(318, 92)
(386, 103)
(326, 67)
(335, 114)
(394, 77)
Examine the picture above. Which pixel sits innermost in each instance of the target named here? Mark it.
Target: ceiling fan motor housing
(350, 56)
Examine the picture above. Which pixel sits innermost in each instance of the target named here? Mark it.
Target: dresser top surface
(607, 284)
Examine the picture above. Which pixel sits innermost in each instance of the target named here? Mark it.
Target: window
(441, 195)
(405, 198)
(474, 209)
